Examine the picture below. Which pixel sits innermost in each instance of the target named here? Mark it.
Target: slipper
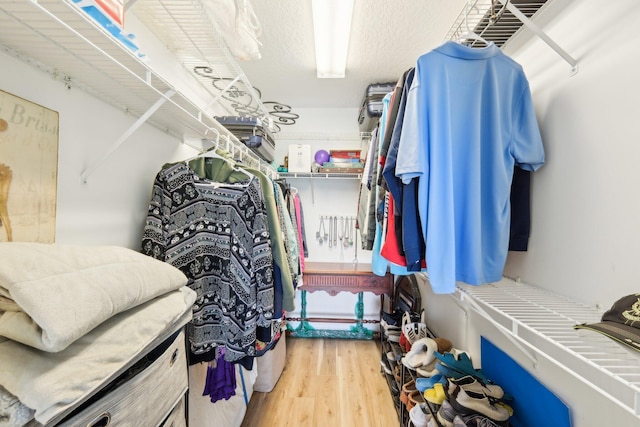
(421, 353)
(414, 399)
(407, 389)
(436, 394)
(423, 384)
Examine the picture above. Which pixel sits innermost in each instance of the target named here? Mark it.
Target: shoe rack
(406, 297)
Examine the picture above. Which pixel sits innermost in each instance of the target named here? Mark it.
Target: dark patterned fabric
(217, 235)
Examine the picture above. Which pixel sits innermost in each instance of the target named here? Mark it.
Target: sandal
(462, 364)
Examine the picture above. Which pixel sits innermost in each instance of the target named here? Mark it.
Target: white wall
(110, 208)
(585, 211)
(328, 129)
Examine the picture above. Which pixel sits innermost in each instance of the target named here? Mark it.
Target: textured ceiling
(387, 37)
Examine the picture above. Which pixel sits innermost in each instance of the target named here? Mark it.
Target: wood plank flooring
(326, 382)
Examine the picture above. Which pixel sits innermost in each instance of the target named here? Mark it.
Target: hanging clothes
(216, 233)
(469, 120)
(290, 234)
(285, 271)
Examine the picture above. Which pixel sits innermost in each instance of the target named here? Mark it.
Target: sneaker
(469, 401)
(413, 331)
(476, 420)
(446, 414)
(385, 368)
(470, 383)
(392, 319)
(420, 416)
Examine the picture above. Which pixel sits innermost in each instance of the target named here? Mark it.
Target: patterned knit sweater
(217, 235)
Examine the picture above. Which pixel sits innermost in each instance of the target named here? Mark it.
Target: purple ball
(321, 157)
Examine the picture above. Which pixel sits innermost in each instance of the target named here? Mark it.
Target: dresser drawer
(147, 398)
(177, 417)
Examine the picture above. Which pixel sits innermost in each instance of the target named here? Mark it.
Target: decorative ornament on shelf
(242, 99)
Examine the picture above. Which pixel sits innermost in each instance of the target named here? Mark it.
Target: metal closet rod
(232, 147)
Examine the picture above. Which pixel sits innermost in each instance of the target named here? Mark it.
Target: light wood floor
(326, 382)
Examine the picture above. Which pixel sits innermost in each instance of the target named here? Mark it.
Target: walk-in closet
(279, 213)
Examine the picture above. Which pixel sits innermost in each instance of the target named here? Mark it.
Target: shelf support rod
(533, 27)
(221, 94)
(141, 120)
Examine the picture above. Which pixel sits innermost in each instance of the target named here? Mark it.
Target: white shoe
(419, 415)
(477, 402)
(470, 383)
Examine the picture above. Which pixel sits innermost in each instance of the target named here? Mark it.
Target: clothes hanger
(217, 152)
(470, 34)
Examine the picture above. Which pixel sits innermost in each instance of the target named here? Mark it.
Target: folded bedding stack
(72, 316)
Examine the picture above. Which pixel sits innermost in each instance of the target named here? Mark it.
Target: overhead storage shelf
(60, 39)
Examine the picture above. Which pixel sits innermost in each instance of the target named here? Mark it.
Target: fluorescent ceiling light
(331, 29)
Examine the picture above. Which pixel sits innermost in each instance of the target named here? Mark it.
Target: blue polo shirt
(469, 119)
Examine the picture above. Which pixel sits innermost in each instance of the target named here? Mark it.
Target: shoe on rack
(447, 372)
(407, 389)
(436, 394)
(414, 400)
(466, 402)
(420, 416)
(444, 345)
(393, 338)
(470, 383)
(428, 370)
(423, 384)
(446, 414)
(413, 331)
(385, 368)
(392, 319)
(421, 353)
(476, 420)
(461, 362)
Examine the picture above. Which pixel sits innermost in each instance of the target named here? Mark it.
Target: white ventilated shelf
(60, 39)
(320, 175)
(544, 321)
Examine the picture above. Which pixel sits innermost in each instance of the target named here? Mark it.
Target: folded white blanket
(51, 295)
(52, 382)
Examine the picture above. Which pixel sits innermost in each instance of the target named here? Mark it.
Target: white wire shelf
(321, 175)
(58, 38)
(543, 322)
